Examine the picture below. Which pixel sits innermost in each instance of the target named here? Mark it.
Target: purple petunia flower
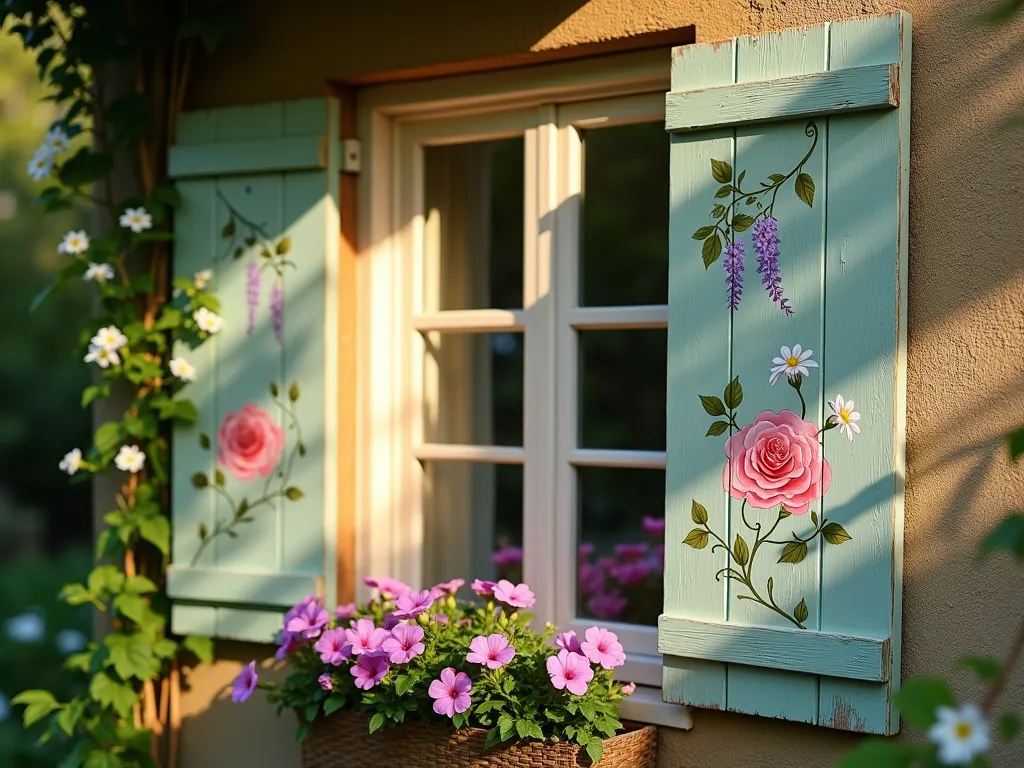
(507, 556)
(325, 682)
(653, 526)
(568, 641)
(364, 637)
(591, 578)
(404, 644)
(451, 692)
(289, 644)
(483, 588)
(252, 294)
(369, 670)
(609, 605)
(492, 651)
(631, 551)
(333, 647)
(450, 587)
(733, 263)
(632, 573)
(388, 587)
(245, 683)
(412, 605)
(277, 309)
(516, 595)
(346, 611)
(766, 246)
(309, 620)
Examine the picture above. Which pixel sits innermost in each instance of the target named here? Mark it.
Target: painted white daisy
(102, 356)
(961, 734)
(182, 369)
(208, 321)
(72, 461)
(845, 416)
(56, 140)
(792, 362)
(70, 641)
(74, 243)
(136, 219)
(202, 279)
(41, 164)
(99, 272)
(110, 338)
(130, 459)
(27, 628)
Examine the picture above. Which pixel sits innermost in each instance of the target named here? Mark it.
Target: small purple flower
(632, 551)
(591, 578)
(568, 641)
(388, 587)
(390, 621)
(450, 587)
(289, 644)
(653, 526)
(506, 557)
(766, 246)
(252, 294)
(309, 620)
(245, 683)
(483, 588)
(277, 309)
(586, 550)
(369, 670)
(607, 563)
(412, 605)
(404, 644)
(325, 682)
(346, 611)
(733, 263)
(632, 573)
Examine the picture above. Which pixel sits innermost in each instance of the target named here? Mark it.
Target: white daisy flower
(961, 734)
(102, 356)
(208, 321)
(130, 459)
(74, 243)
(72, 461)
(182, 369)
(792, 362)
(136, 219)
(99, 272)
(56, 140)
(110, 338)
(845, 416)
(41, 164)
(70, 641)
(25, 628)
(202, 279)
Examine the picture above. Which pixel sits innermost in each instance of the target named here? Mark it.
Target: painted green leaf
(204, 441)
(717, 428)
(1009, 535)
(293, 494)
(293, 392)
(919, 697)
(721, 170)
(733, 394)
(804, 187)
(284, 245)
(986, 669)
(218, 477)
(751, 200)
(713, 405)
(229, 229)
(1008, 727)
(740, 551)
(698, 513)
(273, 389)
(203, 532)
(724, 191)
(718, 211)
(794, 552)
(834, 533)
(814, 517)
(742, 221)
(784, 513)
(696, 538)
(200, 480)
(800, 612)
(739, 179)
(777, 177)
(704, 233)
(202, 647)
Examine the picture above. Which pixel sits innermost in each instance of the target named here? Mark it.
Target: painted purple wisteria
(733, 263)
(253, 281)
(766, 246)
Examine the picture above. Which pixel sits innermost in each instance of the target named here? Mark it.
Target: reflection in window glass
(622, 389)
(624, 221)
(621, 554)
(473, 521)
(474, 231)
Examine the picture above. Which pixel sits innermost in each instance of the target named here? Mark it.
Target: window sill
(645, 706)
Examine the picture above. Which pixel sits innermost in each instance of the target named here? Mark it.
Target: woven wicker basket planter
(342, 740)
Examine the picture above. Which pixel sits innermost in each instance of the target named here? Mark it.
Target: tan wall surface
(966, 304)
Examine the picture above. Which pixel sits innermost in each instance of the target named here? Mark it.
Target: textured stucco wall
(966, 304)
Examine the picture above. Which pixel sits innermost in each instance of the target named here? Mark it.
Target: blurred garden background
(44, 520)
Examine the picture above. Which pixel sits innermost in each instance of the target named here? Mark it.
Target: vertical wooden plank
(698, 362)
(760, 328)
(865, 330)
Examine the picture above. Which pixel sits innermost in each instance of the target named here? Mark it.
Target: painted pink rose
(249, 443)
(776, 460)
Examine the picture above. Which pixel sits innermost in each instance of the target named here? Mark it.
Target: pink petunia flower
(440, 618)
(653, 526)
(365, 637)
(506, 557)
(369, 670)
(346, 611)
(325, 682)
(245, 683)
(404, 644)
(451, 692)
(568, 641)
(607, 605)
(632, 551)
(450, 587)
(628, 689)
(413, 604)
(309, 620)
(516, 595)
(333, 647)
(603, 647)
(492, 651)
(483, 588)
(570, 671)
(289, 644)
(388, 588)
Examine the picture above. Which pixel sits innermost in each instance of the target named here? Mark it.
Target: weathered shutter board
(831, 250)
(270, 172)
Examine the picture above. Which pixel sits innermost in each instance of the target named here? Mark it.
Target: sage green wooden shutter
(816, 120)
(276, 165)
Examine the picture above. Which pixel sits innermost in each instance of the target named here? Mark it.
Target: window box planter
(342, 740)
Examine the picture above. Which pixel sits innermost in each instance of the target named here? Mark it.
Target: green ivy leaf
(38, 705)
(834, 533)
(131, 656)
(800, 612)
(918, 699)
(376, 722)
(94, 392)
(733, 394)
(69, 716)
(721, 171)
(698, 513)
(157, 531)
(712, 405)
(108, 436)
(169, 318)
(1009, 535)
(132, 607)
(704, 232)
(794, 552)
(740, 552)
(804, 187)
(696, 538)
(110, 693)
(711, 250)
(201, 647)
(105, 578)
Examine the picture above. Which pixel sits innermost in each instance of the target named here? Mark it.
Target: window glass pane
(622, 389)
(624, 221)
(473, 521)
(474, 226)
(621, 555)
(473, 388)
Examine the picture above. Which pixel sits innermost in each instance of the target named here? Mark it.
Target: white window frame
(395, 122)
